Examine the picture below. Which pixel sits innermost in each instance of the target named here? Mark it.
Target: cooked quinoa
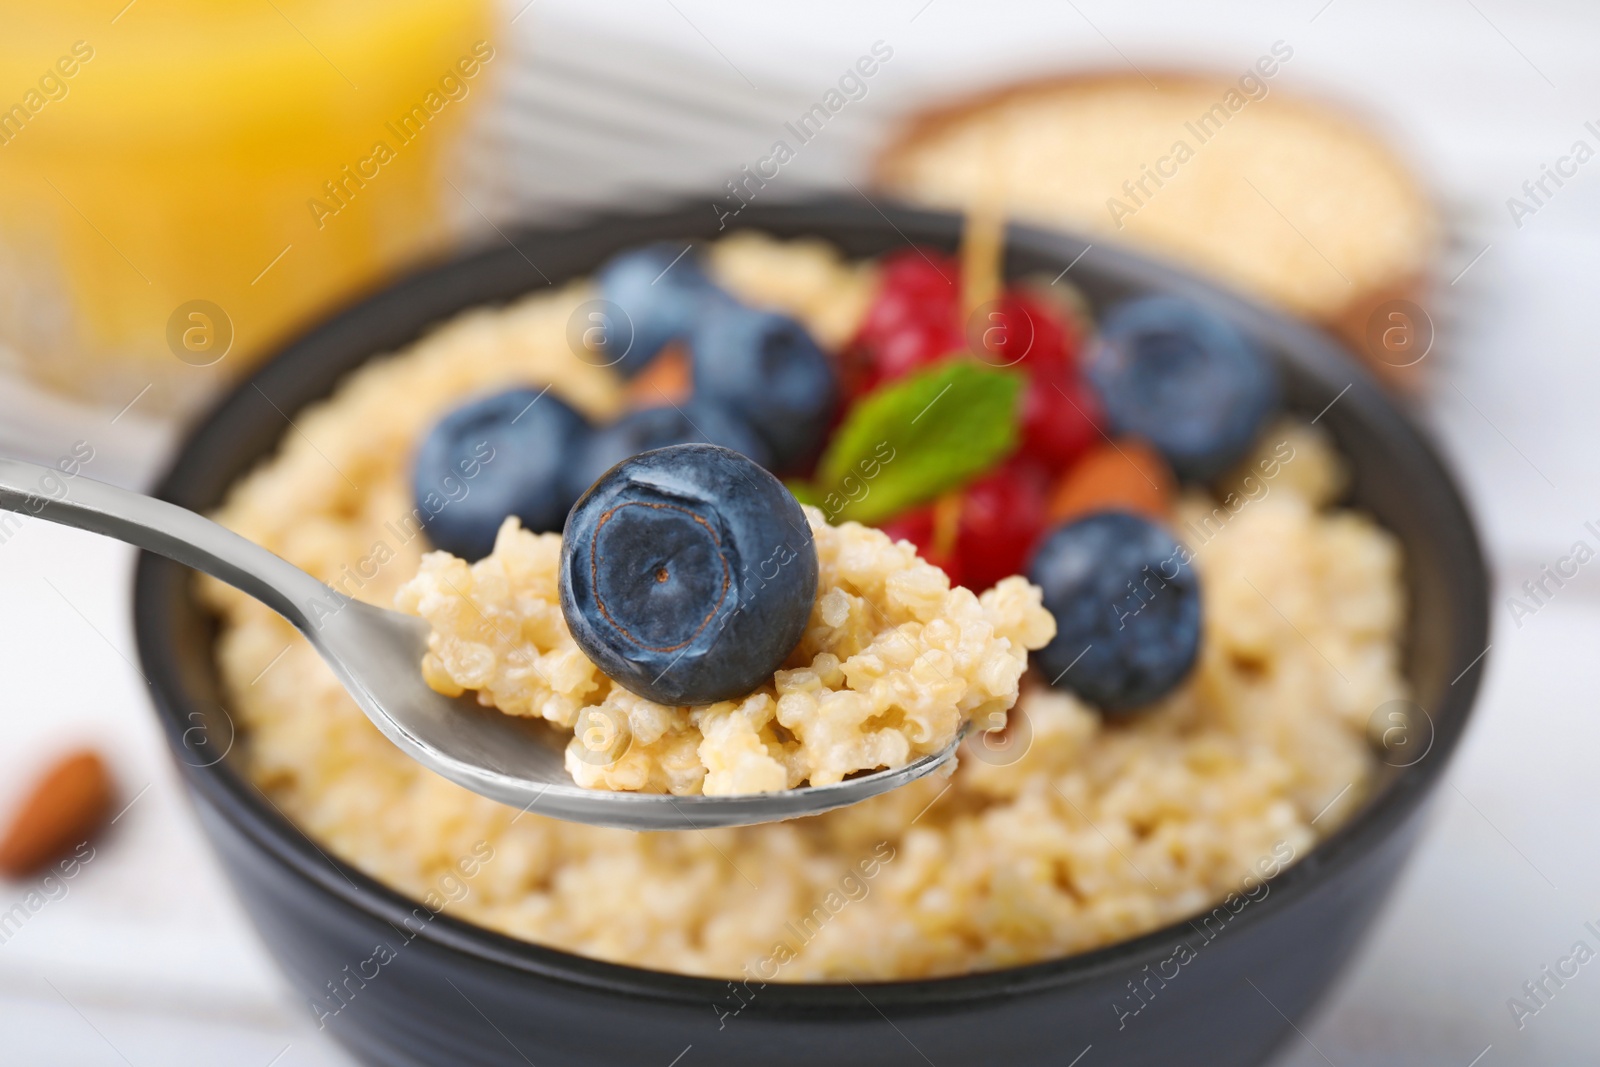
(1081, 832)
(893, 661)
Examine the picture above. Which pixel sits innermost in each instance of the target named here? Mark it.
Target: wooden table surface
(149, 960)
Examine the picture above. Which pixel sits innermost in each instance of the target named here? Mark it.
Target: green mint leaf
(918, 437)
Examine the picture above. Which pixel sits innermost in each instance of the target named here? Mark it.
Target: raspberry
(1002, 516)
(1020, 330)
(1061, 418)
(911, 323)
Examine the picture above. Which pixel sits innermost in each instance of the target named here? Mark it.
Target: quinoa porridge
(1088, 829)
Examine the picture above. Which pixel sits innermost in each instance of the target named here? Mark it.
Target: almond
(1126, 475)
(67, 806)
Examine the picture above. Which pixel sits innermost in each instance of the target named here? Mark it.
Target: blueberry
(699, 421)
(661, 288)
(1186, 380)
(688, 574)
(767, 367)
(506, 454)
(1127, 606)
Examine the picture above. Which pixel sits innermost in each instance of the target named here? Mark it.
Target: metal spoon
(377, 655)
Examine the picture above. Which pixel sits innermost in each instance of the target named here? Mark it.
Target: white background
(149, 960)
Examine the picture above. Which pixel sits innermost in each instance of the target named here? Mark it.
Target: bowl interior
(1397, 477)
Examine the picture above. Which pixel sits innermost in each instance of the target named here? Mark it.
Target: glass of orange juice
(182, 182)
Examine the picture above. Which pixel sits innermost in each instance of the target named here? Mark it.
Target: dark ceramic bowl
(455, 993)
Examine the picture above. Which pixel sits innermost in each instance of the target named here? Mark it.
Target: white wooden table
(148, 959)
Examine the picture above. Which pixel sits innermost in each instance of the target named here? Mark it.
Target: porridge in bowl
(1076, 827)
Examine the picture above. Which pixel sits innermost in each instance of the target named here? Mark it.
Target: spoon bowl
(377, 655)
(520, 761)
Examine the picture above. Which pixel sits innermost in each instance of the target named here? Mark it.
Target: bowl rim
(242, 804)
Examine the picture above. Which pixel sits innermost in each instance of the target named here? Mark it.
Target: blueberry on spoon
(506, 454)
(688, 574)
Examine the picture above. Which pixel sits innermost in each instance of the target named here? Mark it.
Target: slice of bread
(1276, 196)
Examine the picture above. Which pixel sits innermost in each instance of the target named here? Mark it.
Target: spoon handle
(163, 528)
